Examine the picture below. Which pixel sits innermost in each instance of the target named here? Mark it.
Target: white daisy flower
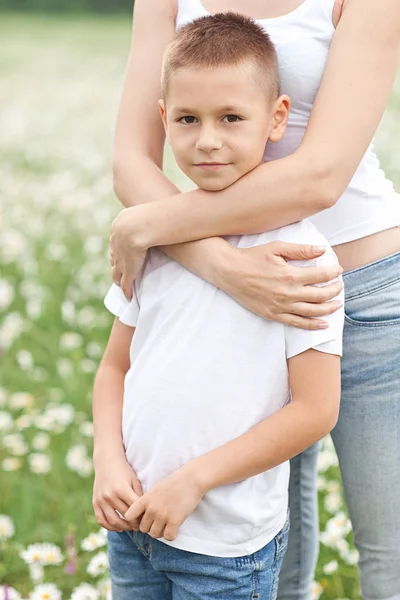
(70, 340)
(316, 590)
(93, 541)
(65, 367)
(351, 557)
(94, 350)
(46, 591)
(98, 564)
(326, 460)
(25, 360)
(10, 329)
(6, 420)
(12, 440)
(44, 421)
(6, 294)
(87, 365)
(43, 554)
(39, 463)
(331, 567)
(34, 308)
(86, 429)
(63, 413)
(41, 441)
(11, 464)
(7, 528)
(333, 502)
(21, 400)
(78, 461)
(85, 592)
(104, 588)
(68, 311)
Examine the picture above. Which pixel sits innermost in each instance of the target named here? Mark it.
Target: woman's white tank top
(302, 39)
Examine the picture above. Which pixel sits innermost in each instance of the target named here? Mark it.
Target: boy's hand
(166, 505)
(116, 488)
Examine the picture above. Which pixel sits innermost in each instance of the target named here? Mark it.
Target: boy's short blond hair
(223, 39)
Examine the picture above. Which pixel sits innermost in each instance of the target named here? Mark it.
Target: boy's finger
(146, 523)
(121, 506)
(135, 511)
(170, 532)
(156, 530)
(128, 497)
(115, 522)
(137, 488)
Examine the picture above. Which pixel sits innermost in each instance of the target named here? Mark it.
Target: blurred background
(61, 72)
(71, 6)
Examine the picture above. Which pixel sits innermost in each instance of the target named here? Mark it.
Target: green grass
(60, 80)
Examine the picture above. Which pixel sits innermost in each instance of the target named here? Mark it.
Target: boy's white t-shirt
(204, 370)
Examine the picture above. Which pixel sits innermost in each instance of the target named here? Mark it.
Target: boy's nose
(208, 140)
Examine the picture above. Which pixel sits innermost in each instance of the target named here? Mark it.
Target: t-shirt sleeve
(127, 311)
(324, 340)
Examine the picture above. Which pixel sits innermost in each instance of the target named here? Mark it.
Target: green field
(59, 85)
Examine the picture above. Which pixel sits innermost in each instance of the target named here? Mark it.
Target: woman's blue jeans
(367, 441)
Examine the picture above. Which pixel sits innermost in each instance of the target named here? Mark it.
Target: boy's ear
(280, 115)
(161, 108)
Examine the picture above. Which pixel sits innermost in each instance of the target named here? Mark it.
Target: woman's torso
(362, 224)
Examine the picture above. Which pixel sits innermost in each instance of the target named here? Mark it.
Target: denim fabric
(367, 441)
(142, 568)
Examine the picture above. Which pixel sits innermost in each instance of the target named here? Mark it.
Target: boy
(215, 399)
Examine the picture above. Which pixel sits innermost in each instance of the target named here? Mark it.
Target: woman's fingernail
(339, 304)
(319, 249)
(323, 325)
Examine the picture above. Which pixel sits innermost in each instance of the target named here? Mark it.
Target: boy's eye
(187, 120)
(231, 119)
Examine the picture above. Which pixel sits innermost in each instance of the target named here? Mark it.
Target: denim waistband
(375, 275)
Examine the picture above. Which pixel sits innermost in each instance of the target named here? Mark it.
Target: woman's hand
(116, 488)
(261, 280)
(126, 254)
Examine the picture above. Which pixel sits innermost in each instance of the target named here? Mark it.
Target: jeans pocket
(281, 541)
(378, 307)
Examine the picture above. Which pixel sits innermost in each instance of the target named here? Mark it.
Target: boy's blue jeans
(142, 568)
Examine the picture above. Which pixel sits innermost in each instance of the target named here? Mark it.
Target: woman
(338, 58)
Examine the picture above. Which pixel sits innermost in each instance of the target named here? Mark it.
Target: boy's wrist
(199, 473)
(108, 452)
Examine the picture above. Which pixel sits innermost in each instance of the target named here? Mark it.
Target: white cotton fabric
(302, 39)
(204, 370)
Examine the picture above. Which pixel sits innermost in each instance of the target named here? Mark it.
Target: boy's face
(218, 121)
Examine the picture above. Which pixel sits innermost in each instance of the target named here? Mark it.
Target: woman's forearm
(275, 194)
(139, 180)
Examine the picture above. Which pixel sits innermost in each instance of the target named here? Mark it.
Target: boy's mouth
(211, 166)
